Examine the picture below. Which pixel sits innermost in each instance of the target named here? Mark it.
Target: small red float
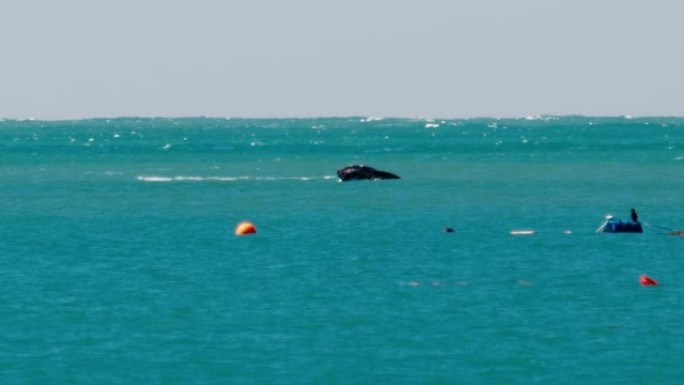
(244, 228)
(647, 281)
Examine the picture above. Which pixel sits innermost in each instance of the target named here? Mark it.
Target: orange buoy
(647, 281)
(244, 228)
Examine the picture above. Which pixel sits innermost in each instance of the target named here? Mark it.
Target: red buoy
(244, 228)
(647, 281)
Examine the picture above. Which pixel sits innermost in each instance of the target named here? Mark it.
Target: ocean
(119, 262)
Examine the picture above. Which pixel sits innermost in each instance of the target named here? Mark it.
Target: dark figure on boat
(360, 172)
(635, 217)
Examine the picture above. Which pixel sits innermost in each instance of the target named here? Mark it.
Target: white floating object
(523, 232)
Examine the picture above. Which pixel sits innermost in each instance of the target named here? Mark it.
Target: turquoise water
(119, 264)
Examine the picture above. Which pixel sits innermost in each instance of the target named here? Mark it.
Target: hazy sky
(294, 58)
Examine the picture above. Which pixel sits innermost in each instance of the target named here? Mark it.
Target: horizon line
(363, 117)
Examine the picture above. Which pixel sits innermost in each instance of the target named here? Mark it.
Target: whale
(361, 172)
(617, 226)
(614, 225)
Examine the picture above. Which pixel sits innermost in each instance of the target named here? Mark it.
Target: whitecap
(189, 178)
(540, 117)
(228, 178)
(371, 119)
(155, 179)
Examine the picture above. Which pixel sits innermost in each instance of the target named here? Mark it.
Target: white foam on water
(155, 179)
(540, 117)
(371, 119)
(193, 178)
(189, 178)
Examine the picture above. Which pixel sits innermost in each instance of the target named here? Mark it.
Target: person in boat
(635, 217)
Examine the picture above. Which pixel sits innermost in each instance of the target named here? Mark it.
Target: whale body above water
(361, 172)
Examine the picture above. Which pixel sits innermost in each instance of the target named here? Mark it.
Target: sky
(73, 59)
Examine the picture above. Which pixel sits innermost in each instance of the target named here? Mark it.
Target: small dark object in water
(360, 172)
(448, 230)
